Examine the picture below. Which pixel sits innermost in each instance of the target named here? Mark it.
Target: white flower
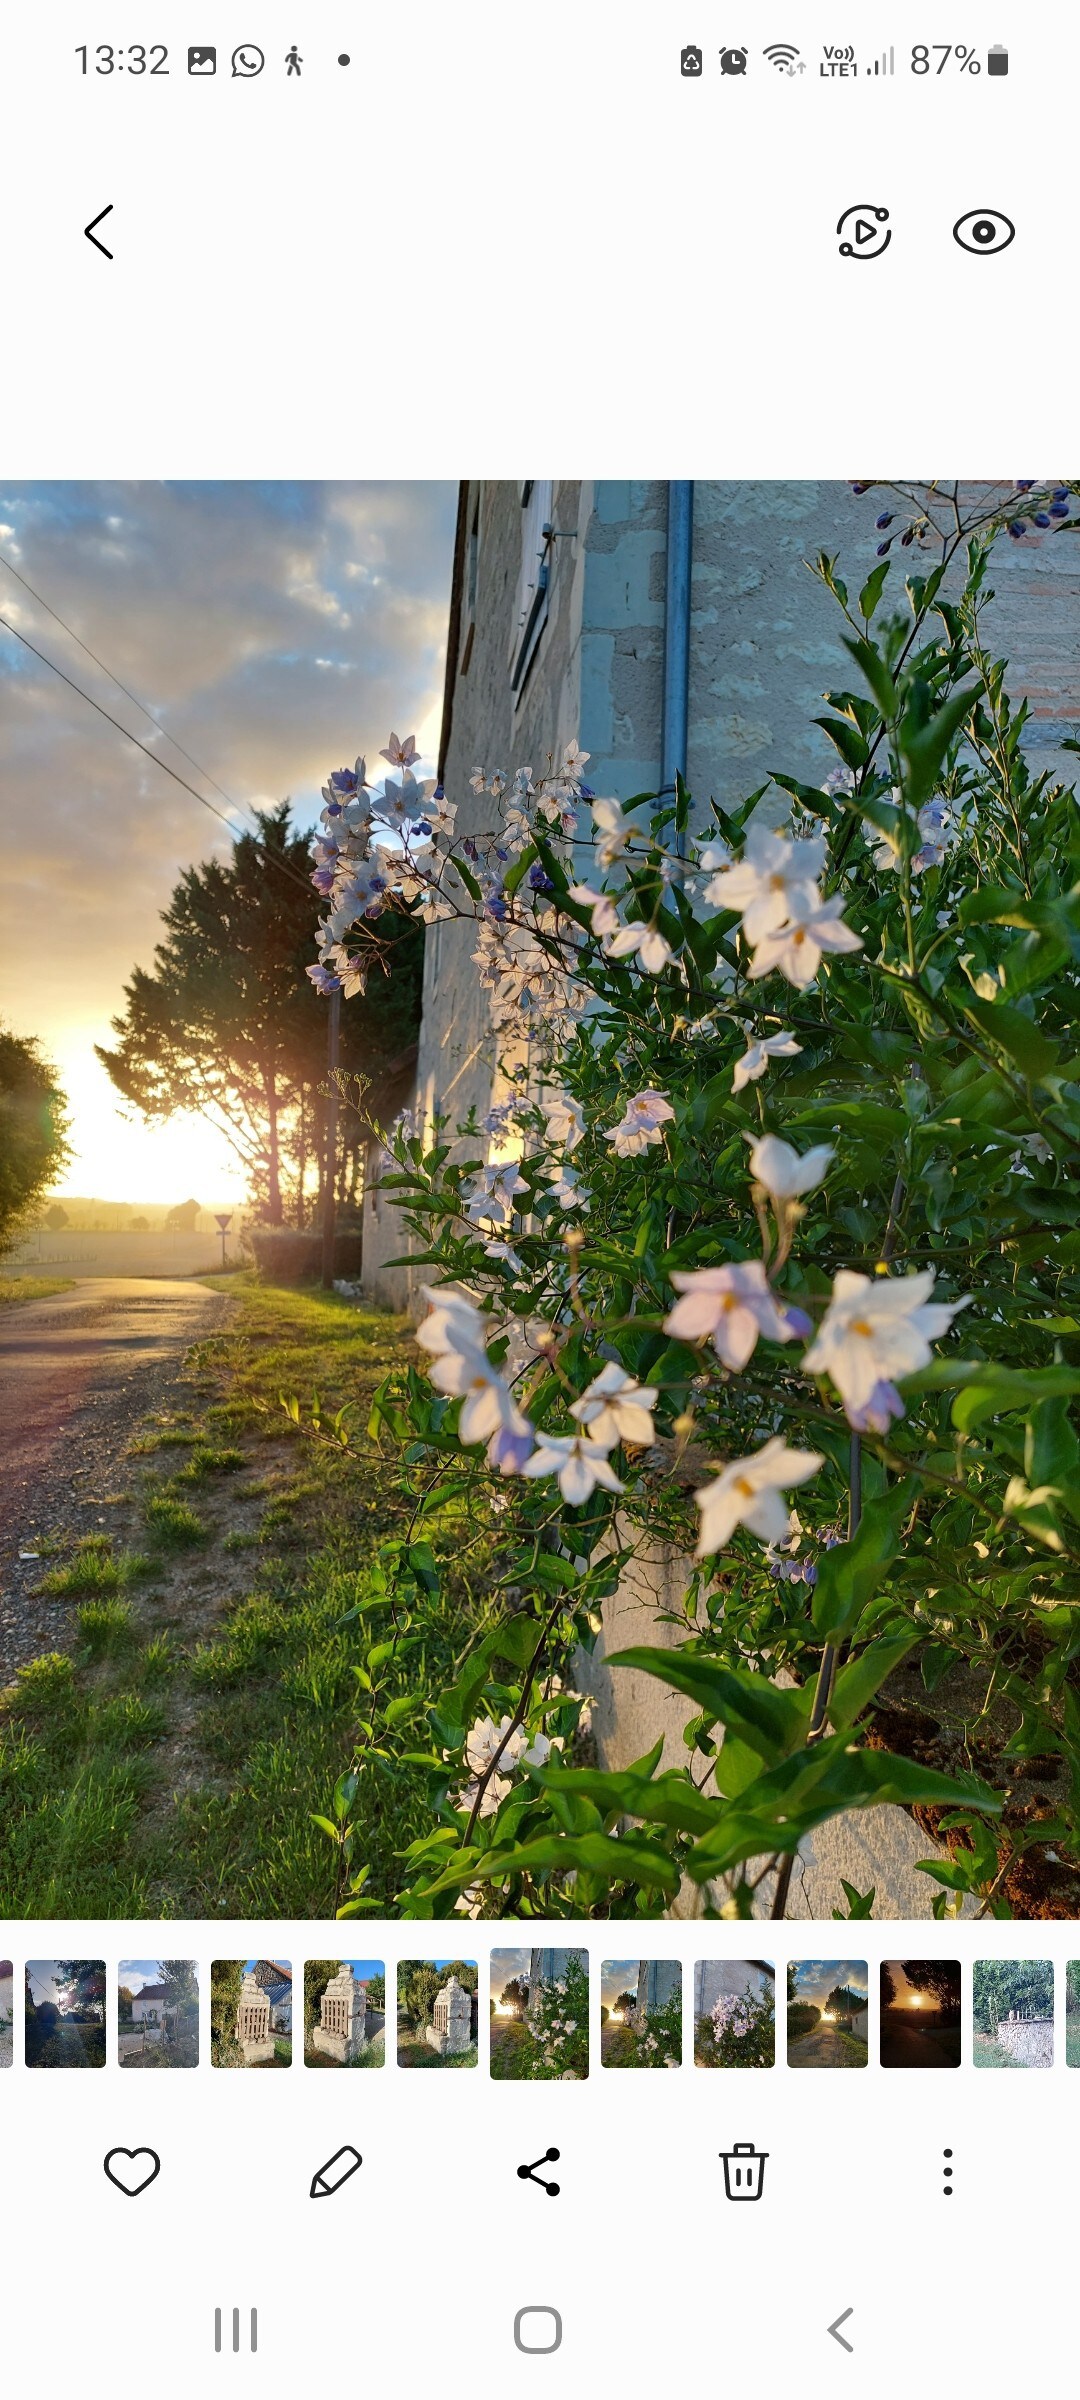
(876, 1330)
(493, 1194)
(489, 1405)
(605, 915)
(565, 1124)
(507, 1252)
(815, 925)
(616, 832)
(579, 1465)
(454, 1321)
(616, 1409)
(573, 762)
(640, 1127)
(748, 1492)
(401, 754)
(731, 1305)
(773, 879)
(784, 1173)
(653, 951)
(567, 1189)
(751, 1066)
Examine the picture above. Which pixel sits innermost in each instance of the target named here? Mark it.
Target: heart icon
(132, 2170)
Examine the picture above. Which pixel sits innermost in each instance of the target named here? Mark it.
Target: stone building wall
(1028, 2040)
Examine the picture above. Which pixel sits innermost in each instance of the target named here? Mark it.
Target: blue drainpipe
(676, 693)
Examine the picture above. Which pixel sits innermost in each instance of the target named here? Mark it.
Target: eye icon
(984, 230)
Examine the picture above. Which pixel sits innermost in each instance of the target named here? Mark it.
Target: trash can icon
(744, 2171)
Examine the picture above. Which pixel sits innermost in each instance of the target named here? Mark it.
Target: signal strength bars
(885, 65)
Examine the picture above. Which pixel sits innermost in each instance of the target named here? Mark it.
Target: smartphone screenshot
(539, 1221)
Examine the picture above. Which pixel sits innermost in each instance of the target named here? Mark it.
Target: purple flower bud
(509, 1451)
(1026, 487)
(1059, 508)
(1042, 518)
(539, 879)
(884, 520)
(883, 547)
(586, 792)
(877, 1413)
(1017, 529)
(860, 487)
(343, 779)
(799, 1325)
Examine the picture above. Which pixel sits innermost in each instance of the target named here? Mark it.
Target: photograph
(827, 2013)
(157, 2012)
(1013, 2012)
(7, 2012)
(64, 2023)
(641, 2012)
(920, 2012)
(502, 934)
(734, 2012)
(539, 2006)
(344, 2012)
(250, 2012)
(438, 2010)
(1072, 2013)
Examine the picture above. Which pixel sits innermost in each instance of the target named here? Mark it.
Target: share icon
(528, 2174)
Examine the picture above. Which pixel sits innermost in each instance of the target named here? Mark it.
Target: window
(531, 605)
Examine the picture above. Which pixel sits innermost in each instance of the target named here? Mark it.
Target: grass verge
(15, 1289)
(172, 1763)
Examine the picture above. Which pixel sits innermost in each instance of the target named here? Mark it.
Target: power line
(152, 755)
(121, 687)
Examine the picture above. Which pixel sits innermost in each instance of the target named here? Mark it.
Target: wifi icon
(782, 55)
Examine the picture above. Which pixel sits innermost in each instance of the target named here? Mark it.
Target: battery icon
(997, 62)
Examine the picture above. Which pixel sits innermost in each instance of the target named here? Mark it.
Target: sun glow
(115, 1156)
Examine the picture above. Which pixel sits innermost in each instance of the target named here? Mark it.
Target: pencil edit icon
(329, 2178)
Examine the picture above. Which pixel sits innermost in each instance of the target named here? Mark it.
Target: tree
(376, 1991)
(626, 2004)
(123, 2004)
(228, 1025)
(515, 1995)
(888, 1986)
(226, 1976)
(418, 1987)
(181, 1982)
(33, 1131)
(938, 1976)
(1002, 1985)
(82, 1981)
(317, 1974)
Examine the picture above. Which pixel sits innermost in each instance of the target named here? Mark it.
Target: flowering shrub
(555, 2048)
(775, 1197)
(739, 2032)
(657, 2042)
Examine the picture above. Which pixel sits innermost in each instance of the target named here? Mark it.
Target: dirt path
(824, 2047)
(904, 2045)
(78, 1372)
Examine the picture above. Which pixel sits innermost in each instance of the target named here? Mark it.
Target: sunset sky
(277, 630)
(815, 1978)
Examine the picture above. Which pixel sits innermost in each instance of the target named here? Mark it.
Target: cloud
(276, 630)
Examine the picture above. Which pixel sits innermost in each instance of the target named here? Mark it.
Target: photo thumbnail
(1072, 2013)
(827, 2013)
(540, 2015)
(1014, 2012)
(251, 2012)
(65, 2012)
(157, 2012)
(438, 2003)
(734, 2012)
(7, 2012)
(920, 2012)
(641, 2012)
(544, 974)
(344, 2012)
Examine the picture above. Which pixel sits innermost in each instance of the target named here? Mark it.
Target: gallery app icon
(864, 232)
(202, 59)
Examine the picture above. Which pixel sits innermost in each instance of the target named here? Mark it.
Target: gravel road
(78, 1372)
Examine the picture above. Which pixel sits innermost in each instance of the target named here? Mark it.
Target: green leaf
(874, 668)
(849, 1575)
(924, 746)
(844, 737)
(872, 589)
(332, 1831)
(772, 1722)
(859, 1682)
(805, 1791)
(1010, 1030)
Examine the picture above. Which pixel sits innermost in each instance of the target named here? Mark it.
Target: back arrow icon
(91, 235)
(842, 2319)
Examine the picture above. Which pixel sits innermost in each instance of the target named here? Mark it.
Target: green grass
(96, 1817)
(420, 2054)
(14, 1289)
(171, 1524)
(93, 1570)
(206, 1461)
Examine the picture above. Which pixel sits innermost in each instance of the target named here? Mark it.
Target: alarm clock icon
(732, 62)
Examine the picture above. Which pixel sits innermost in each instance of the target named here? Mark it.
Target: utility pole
(329, 1209)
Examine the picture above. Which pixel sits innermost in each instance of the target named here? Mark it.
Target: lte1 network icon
(202, 59)
(691, 60)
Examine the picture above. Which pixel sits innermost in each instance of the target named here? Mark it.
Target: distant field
(16, 1288)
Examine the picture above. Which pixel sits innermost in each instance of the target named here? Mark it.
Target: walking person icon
(293, 61)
